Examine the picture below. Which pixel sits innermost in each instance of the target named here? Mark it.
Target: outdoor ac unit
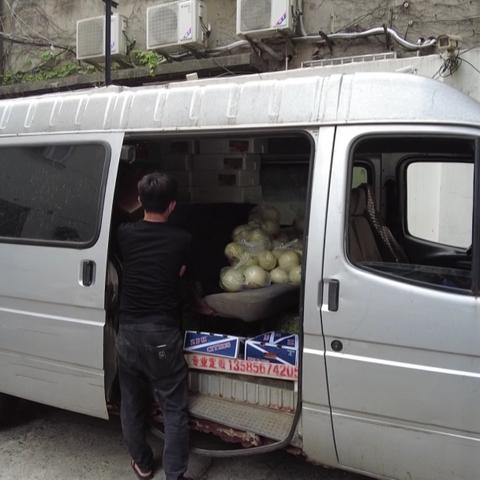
(174, 24)
(264, 17)
(91, 38)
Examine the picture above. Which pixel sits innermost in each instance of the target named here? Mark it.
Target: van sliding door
(56, 194)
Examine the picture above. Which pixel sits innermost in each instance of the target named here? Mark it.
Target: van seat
(361, 239)
(369, 238)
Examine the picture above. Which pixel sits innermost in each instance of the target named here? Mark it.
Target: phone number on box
(246, 367)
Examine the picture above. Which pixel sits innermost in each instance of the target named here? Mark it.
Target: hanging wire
(469, 63)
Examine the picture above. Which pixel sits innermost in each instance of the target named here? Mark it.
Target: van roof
(294, 98)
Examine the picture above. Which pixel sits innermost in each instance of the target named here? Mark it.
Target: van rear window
(51, 193)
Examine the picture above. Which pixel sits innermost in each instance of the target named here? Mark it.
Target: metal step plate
(268, 423)
(260, 392)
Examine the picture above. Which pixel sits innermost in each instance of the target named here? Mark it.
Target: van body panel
(59, 384)
(382, 448)
(51, 325)
(409, 370)
(293, 98)
(318, 444)
(316, 424)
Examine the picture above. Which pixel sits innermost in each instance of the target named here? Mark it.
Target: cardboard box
(241, 161)
(226, 178)
(278, 338)
(226, 194)
(266, 352)
(273, 347)
(213, 344)
(233, 145)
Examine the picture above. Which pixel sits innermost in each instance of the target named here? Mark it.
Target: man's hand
(183, 269)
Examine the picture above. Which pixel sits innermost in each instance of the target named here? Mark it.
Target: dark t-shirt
(152, 254)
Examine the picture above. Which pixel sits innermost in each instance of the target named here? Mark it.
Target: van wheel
(7, 407)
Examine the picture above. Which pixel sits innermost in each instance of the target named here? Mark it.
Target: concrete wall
(440, 202)
(54, 21)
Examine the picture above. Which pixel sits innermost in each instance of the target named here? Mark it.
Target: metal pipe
(230, 46)
(108, 42)
(263, 46)
(367, 33)
(302, 25)
(316, 38)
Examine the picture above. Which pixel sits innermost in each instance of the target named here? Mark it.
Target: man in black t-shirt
(150, 347)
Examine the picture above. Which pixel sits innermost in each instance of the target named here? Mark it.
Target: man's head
(158, 193)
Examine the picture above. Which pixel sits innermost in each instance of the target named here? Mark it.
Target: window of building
(51, 193)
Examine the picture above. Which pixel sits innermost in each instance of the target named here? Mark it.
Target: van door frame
(321, 147)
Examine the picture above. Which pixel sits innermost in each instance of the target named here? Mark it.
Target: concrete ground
(48, 444)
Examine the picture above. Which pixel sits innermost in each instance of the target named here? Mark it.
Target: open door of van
(56, 194)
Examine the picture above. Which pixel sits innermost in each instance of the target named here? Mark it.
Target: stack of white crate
(227, 170)
(176, 160)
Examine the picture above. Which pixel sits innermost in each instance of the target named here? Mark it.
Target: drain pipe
(393, 34)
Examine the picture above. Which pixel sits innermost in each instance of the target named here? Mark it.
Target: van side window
(425, 236)
(51, 193)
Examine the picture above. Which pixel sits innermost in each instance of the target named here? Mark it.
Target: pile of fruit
(262, 253)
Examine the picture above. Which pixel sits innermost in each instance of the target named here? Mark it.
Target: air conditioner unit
(174, 24)
(91, 38)
(264, 17)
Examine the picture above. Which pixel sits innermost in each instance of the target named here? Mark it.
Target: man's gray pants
(151, 362)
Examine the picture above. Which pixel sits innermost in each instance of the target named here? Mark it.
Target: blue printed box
(267, 352)
(213, 344)
(278, 338)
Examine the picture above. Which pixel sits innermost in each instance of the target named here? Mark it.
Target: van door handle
(333, 295)
(88, 273)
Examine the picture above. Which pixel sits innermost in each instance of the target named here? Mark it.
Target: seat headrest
(358, 201)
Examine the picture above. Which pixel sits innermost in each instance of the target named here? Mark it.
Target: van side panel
(316, 422)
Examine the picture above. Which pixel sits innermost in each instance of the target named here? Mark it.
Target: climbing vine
(146, 58)
(52, 65)
(55, 65)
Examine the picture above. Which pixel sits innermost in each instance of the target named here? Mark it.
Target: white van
(385, 169)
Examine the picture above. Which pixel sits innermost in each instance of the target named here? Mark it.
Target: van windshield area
(411, 209)
(243, 200)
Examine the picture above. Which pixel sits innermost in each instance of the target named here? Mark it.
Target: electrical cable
(469, 63)
(36, 43)
(227, 70)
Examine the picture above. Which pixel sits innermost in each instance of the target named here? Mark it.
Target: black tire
(7, 408)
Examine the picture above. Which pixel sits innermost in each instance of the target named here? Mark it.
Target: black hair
(156, 191)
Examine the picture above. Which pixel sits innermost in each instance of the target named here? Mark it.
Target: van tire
(7, 408)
